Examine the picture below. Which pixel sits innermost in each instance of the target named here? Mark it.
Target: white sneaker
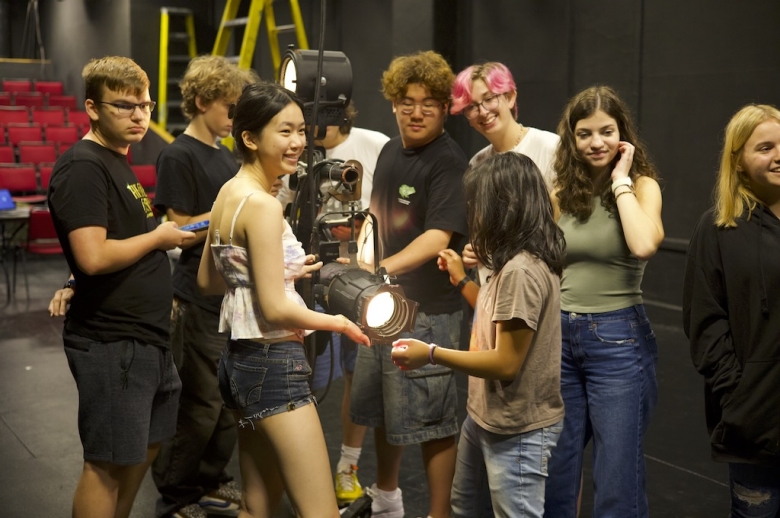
(383, 507)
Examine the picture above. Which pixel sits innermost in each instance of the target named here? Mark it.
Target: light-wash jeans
(501, 475)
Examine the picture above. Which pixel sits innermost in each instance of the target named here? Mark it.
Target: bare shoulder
(645, 183)
(260, 211)
(264, 202)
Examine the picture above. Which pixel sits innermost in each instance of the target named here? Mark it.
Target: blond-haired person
(731, 310)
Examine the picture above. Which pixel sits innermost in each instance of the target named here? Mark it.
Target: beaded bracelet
(621, 181)
(430, 354)
(618, 195)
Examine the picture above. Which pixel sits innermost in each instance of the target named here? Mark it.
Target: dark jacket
(731, 315)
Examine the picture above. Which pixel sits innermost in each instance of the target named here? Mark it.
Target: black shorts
(128, 397)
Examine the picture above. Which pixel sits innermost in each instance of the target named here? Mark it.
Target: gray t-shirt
(525, 288)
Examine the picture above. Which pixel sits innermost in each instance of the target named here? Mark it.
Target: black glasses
(428, 106)
(127, 109)
(488, 103)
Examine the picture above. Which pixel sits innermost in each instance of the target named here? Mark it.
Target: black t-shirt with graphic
(416, 190)
(94, 186)
(189, 177)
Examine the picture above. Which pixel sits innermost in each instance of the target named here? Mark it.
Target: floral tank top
(240, 310)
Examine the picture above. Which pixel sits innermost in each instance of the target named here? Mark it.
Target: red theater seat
(24, 133)
(14, 114)
(49, 87)
(17, 85)
(49, 116)
(37, 152)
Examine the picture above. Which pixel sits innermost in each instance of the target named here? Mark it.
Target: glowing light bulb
(290, 76)
(380, 310)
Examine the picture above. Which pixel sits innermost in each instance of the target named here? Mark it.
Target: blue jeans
(501, 475)
(755, 491)
(609, 389)
(412, 406)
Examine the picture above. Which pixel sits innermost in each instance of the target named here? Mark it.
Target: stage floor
(41, 457)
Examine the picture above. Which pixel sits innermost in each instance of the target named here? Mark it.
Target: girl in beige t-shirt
(515, 409)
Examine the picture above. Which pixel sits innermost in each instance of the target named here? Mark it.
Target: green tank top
(601, 274)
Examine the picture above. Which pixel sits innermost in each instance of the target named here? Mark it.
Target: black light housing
(323, 82)
(381, 310)
(298, 74)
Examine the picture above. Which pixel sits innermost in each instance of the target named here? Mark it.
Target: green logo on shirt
(405, 191)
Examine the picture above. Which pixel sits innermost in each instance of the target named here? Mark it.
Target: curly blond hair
(212, 78)
(427, 68)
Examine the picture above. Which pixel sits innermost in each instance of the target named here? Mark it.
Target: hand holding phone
(194, 227)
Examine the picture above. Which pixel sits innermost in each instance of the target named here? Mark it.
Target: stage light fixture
(381, 309)
(299, 73)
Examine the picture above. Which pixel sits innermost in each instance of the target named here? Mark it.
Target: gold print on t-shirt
(140, 194)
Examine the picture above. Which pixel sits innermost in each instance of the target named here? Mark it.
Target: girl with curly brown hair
(608, 204)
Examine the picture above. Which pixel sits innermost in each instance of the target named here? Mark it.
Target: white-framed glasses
(428, 106)
(488, 103)
(127, 109)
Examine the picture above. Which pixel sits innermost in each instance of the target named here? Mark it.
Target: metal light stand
(33, 22)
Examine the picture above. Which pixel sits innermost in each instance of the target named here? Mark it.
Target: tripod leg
(360, 508)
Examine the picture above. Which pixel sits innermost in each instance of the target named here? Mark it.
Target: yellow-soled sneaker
(348, 487)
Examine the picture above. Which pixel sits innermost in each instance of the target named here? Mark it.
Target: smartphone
(194, 227)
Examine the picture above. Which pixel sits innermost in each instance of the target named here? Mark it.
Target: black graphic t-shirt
(94, 186)
(415, 190)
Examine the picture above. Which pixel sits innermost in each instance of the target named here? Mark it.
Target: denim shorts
(412, 406)
(128, 397)
(259, 380)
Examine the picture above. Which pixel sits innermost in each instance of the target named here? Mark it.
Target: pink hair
(496, 76)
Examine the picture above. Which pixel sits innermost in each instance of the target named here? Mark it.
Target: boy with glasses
(116, 331)
(418, 200)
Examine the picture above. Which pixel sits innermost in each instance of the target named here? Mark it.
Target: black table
(11, 223)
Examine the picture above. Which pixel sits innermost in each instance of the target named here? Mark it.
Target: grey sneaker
(224, 500)
(191, 511)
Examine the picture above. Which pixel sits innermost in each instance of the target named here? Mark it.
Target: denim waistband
(637, 311)
(250, 346)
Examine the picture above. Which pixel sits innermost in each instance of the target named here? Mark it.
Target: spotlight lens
(380, 310)
(289, 75)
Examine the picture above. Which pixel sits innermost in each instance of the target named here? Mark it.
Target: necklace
(520, 136)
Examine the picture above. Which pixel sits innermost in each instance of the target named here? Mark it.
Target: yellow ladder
(172, 43)
(251, 24)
